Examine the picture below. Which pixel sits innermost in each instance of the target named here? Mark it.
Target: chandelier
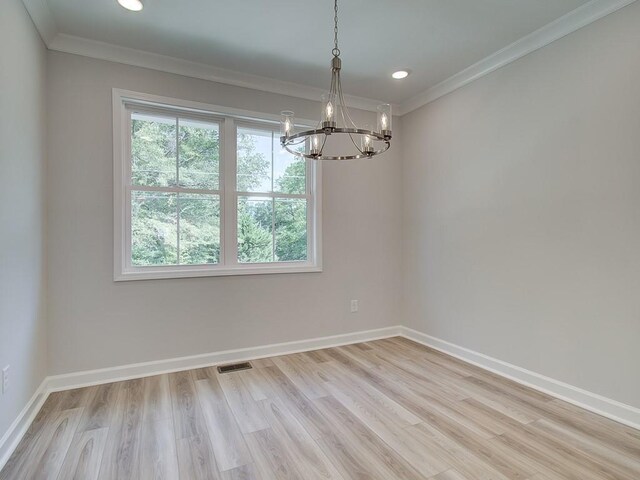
(336, 121)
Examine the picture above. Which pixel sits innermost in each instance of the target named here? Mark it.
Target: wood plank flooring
(388, 409)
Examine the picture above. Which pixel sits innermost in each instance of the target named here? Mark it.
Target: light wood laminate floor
(388, 409)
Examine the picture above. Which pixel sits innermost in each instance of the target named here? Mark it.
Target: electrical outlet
(5, 379)
(354, 306)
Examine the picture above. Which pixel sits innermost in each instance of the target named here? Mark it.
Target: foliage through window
(211, 194)
(272, 208)
(175, 201)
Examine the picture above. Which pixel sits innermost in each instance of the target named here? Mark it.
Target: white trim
(55, 383)
(138, 370)
(18, 428)
(163, 63)
(620, 412)
(197, 271)
(563, 26)
(569, 23)
(224, 116)
(606, 407)
(228, 210)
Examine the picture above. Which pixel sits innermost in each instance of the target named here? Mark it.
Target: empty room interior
(320, 239)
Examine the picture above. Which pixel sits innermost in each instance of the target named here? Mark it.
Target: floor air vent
(234, 367)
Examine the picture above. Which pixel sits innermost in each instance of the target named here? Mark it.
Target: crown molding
(563, 26)
(44, 21)
(582, 16)
(140, 58)
(42, 18)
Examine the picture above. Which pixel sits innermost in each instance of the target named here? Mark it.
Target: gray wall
(94, 322)
(519, 218)
(522, 211)
(22, 133)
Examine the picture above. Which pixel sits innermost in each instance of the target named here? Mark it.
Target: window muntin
(210, 194)
(272, 199)
(174, 196)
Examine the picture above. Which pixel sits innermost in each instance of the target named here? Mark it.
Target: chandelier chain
(336, 50)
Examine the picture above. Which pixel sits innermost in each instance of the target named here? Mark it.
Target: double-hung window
(201, 190)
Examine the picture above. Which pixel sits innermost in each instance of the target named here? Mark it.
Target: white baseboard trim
(18, 428)
(620, 412)
(56, 383)
(138, 370)
(606, 407)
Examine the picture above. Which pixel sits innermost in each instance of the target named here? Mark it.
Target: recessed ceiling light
(400, 74)
(133, 5)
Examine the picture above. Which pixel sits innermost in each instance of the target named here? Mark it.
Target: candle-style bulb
(383, 121)
(286, 123)
(366, 142)
(315, 146)
(329, 110)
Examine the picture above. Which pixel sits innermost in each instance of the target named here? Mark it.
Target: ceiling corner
(563, 26)
(43, 19)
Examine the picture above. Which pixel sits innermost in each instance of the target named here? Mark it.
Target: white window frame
(123, 100)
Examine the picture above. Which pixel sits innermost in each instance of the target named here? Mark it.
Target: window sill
(154, 273)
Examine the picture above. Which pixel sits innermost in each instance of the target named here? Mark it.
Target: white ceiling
(291, 40)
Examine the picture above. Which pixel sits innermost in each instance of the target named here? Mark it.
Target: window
(204, 191)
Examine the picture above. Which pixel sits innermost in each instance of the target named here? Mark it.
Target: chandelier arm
(344, 109)
(297, 144)
(323, 144)
(355, 144)
(344, 120)
(334, 84)
(341, 102)
(350, 135)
